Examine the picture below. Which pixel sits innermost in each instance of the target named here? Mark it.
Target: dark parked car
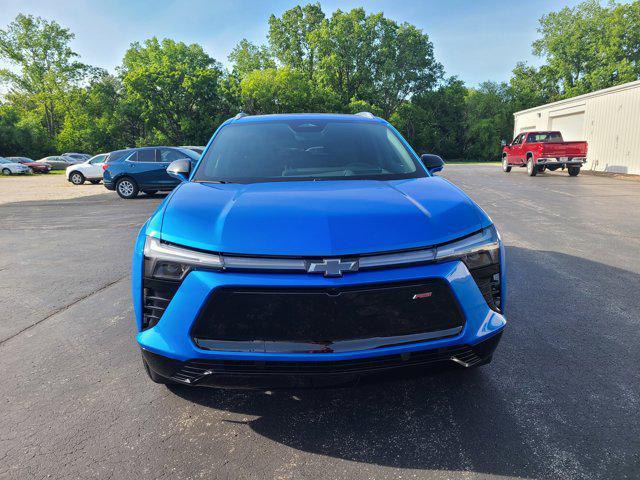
(37, 167)
(82, 157)
(58, 162)
(133, 170)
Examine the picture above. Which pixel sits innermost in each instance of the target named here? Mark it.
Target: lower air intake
(321, 320)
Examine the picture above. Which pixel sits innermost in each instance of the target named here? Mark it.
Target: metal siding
(611, 126)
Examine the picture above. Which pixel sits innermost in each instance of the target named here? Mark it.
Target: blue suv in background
(135, 170)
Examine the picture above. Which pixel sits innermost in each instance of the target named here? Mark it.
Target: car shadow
(558, 393)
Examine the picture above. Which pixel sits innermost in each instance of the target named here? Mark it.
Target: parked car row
(10, 167)
(128, 171)
(22, 165)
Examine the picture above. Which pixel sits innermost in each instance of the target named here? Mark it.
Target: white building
(609, 120)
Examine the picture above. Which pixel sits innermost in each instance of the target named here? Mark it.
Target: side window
(146, 155)
(133, 157)
(530, 138)
(168, 155)
(99, 159)
(518, 139)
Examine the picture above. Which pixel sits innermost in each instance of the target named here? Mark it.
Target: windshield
(306, 150)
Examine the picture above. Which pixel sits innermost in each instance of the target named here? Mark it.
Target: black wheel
(76, 178)
(6, 171)
(532, 169)
(505, 165)
(95, 182)
(150, 192)
(155, 378)
(541, 168)
(574, 171)
(127, 188)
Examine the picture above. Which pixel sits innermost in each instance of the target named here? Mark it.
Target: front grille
(326, 320)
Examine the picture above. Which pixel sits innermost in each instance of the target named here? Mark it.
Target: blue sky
(474, 39)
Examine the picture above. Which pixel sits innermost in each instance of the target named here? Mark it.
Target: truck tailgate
(565, 149)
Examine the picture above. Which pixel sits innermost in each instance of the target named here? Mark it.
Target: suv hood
(324, 218)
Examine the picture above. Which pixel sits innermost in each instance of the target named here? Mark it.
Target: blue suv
(310, 247)
(135, 170)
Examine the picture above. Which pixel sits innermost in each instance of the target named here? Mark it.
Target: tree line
(169, 92)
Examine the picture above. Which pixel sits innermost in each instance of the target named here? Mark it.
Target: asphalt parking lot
(560, 400)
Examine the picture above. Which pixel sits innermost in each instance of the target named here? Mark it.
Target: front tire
(574, 171)
(127, 188)
(6, 171)
(505, 165)
(76, 178)
(532, 169)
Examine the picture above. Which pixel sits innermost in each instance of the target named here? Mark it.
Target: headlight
(481, 254)
(476, 251)
(170, 262)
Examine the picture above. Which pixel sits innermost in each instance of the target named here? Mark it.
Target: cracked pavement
(560, 400)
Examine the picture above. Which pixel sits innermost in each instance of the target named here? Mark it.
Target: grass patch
(22, 175)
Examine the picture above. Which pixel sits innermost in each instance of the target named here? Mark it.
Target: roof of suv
(305, 116)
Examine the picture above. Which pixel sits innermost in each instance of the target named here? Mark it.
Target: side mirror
(433, 163)
(180, 169)
(503, 143)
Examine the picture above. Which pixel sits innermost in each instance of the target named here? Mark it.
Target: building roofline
(584, 96)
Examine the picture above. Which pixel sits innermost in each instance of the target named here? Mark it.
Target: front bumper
(169, 347)
(255, 374)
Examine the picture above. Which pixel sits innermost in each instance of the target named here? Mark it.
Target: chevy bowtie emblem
(332, 267)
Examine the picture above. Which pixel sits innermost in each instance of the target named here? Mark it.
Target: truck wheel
(505, 165)
(541, 168)
(532, 169)
(574, 171)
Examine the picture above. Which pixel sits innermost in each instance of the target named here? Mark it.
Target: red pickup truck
(541, 150)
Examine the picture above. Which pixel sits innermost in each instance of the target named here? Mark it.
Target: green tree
(45, 67)
(372, 58)
(282, 90)
(247, 57)
(21, 134)
(590, 46)
(434, 121)
(489, 120)
(530, 86)
(94, 121)
(403, 63)
(291, 37)
(174, 86)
